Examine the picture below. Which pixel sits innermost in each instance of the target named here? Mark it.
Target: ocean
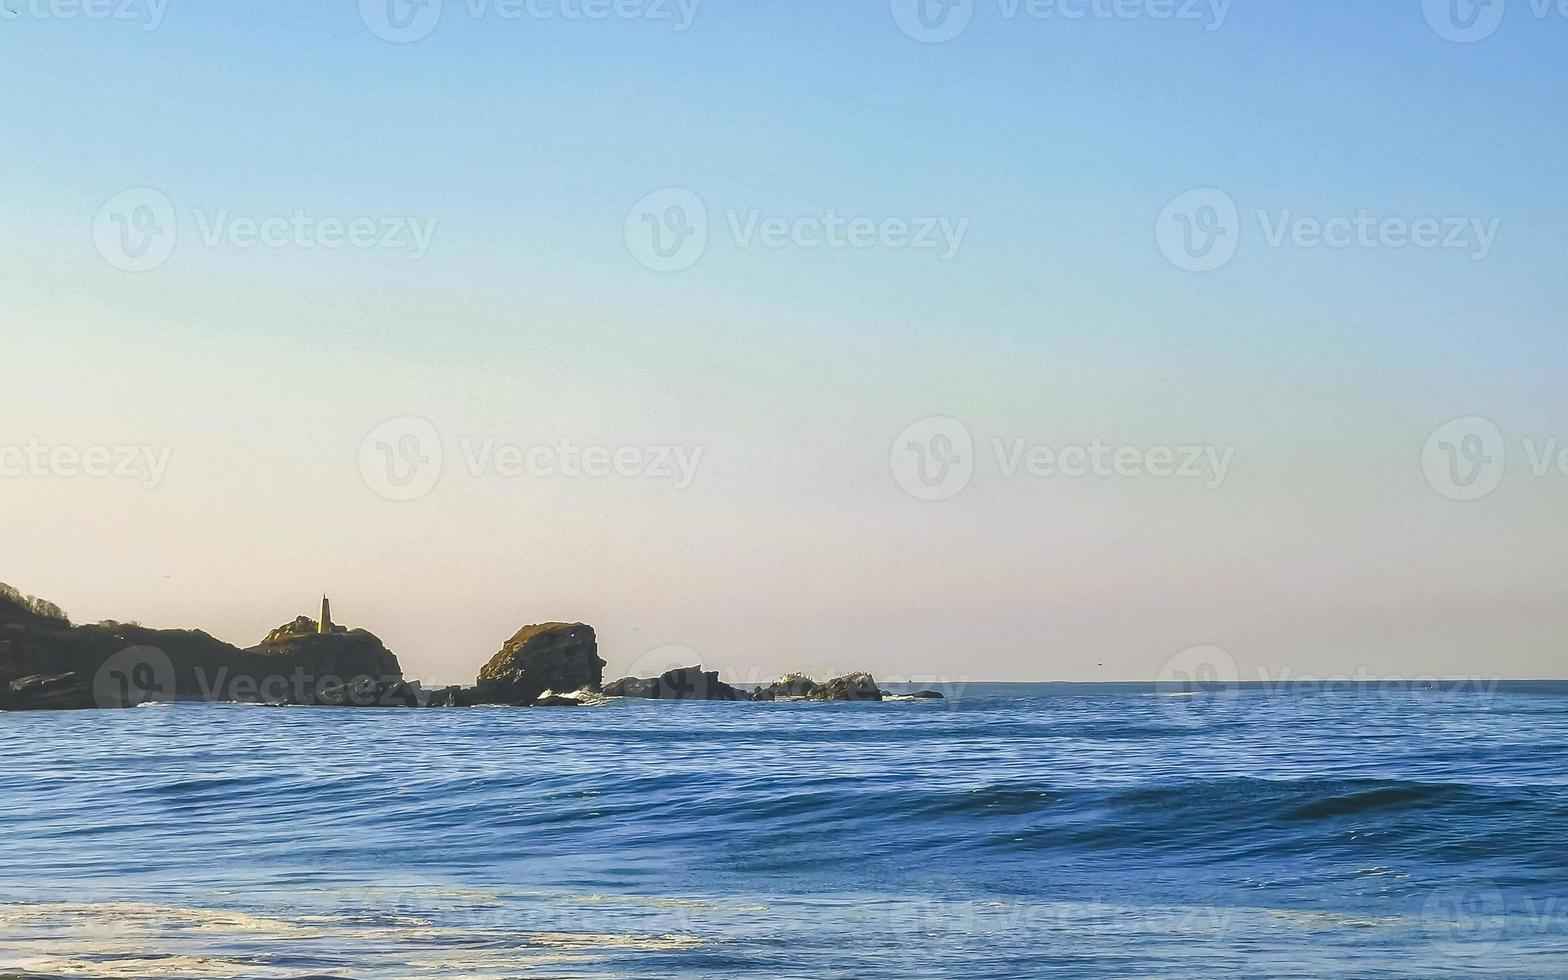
(1010, 831)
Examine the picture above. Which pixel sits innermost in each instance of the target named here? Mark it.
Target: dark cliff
(119, 663)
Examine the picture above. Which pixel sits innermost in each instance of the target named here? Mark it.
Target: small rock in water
(60, 692)
(788, 686)
(681, 684)
(368, 692)
(450, 697)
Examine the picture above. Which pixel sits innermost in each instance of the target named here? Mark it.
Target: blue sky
(1059, 320)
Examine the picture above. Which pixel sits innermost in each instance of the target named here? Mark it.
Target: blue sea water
(1012, 831)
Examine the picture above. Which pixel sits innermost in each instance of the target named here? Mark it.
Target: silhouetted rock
(788, 686)
(546, 657)
(62, 692)
(451, 697)
(632, 687)
(367, 692)
(681, 684)
(799, 687)
(46, 662)
(850, 687)
(119, 663)
(349, 668)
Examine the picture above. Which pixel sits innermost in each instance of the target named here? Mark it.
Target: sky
(988, 341)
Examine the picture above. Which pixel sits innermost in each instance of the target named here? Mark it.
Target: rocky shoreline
(47, 663)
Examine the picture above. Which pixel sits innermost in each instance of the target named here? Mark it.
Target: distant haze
(750, 459)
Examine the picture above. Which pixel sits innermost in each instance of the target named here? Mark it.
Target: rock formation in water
(799, 687)
(557, 657)
(118, 664)
(850, 687)
(343, 667)
(789, 686)
(681, 684)
(63, 692)
(48, 663)
(696, 684)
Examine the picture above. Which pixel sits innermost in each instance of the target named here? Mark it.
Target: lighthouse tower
(324, 627)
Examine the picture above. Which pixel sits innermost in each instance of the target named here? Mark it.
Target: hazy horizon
(1003, 347)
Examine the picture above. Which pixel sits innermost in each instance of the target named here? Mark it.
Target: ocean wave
(578, 843)
(111, 940)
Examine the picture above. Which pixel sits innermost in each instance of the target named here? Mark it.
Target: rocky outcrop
(347, 668)
(63, 692)
(48, 663)
(696, 684)
(797, 686)
(850, 687)
(119, 664)
(367, 692)
(545, 657)
(450, 697)
(633, 687)
(301, 626)
(681, 684)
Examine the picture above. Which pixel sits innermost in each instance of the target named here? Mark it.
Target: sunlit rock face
(301, 626)
(850, 687)
(342, 655)
(558, 657)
